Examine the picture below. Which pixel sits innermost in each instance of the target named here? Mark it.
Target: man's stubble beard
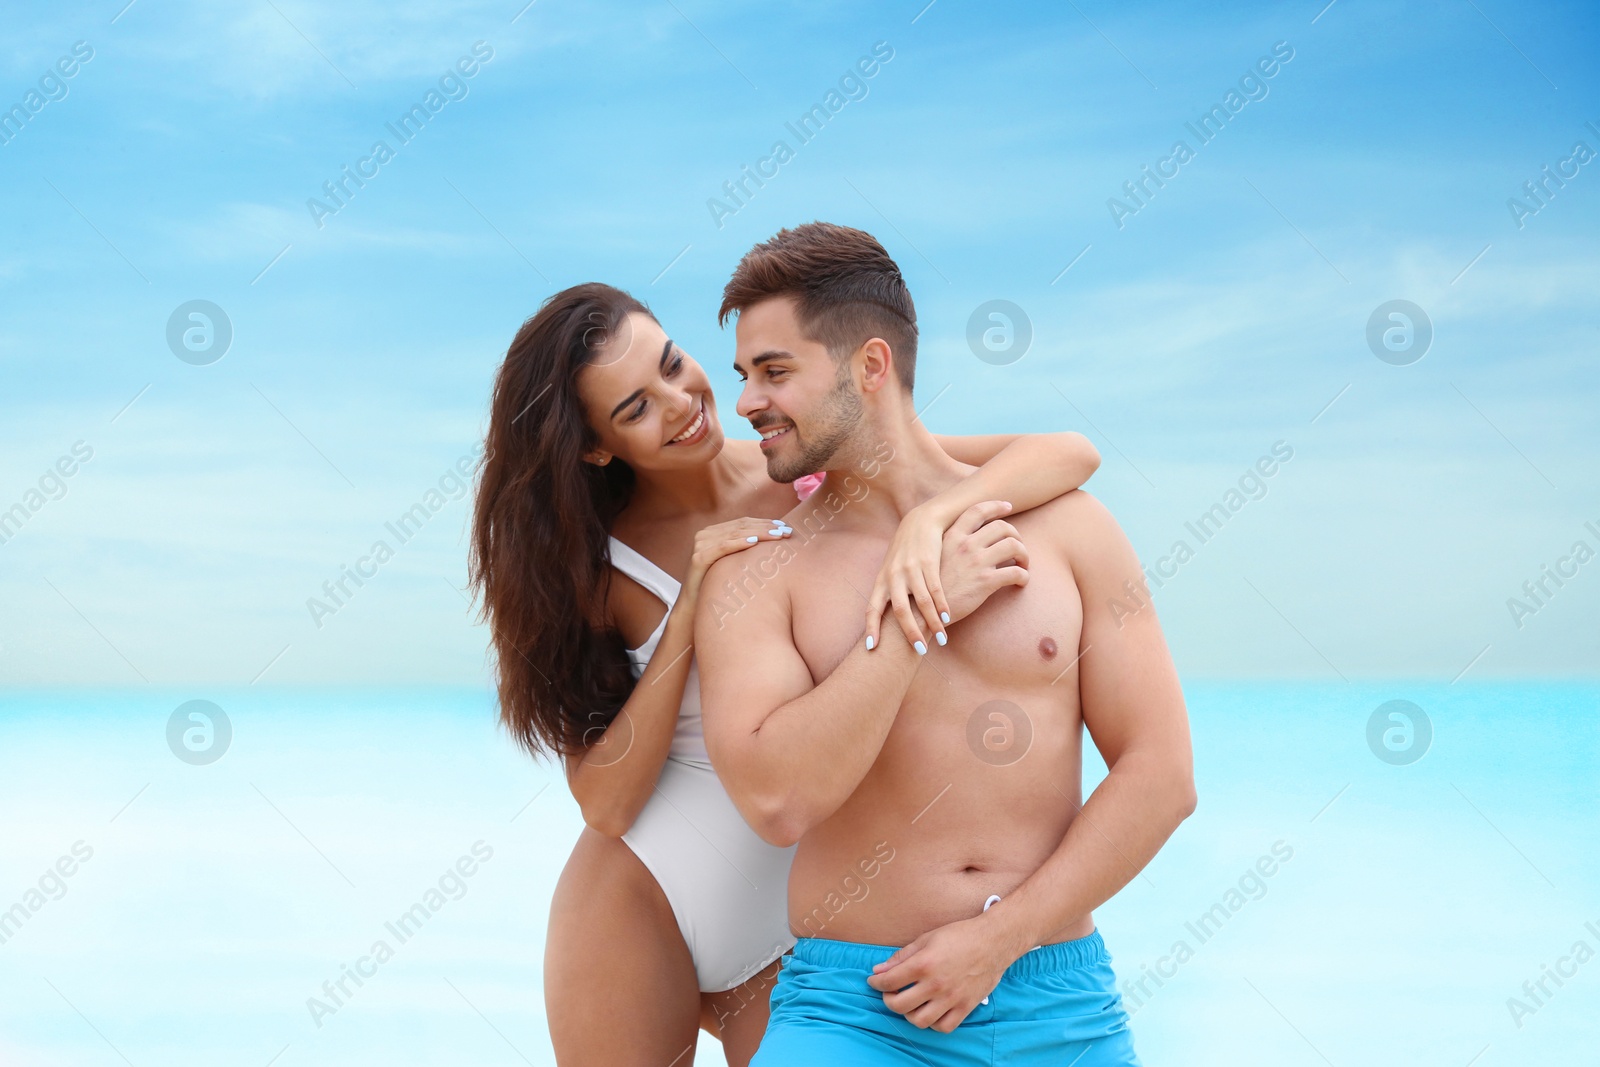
(838, 418)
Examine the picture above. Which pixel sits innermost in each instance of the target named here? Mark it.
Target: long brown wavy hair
(540, 557)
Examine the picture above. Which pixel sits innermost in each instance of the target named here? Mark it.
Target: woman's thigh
(620, 985)
(741, 1015)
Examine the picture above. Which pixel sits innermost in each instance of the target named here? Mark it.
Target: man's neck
(901, 464)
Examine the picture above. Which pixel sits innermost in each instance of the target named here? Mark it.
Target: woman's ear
(598, 457)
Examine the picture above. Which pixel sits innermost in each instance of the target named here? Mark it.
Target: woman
(607, 491)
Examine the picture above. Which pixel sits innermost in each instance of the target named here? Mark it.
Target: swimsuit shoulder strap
(633, 563)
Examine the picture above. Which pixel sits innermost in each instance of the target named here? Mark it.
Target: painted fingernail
(922, 649)
(870, 642)
(752, 540)
(939, 637)
(944, 617)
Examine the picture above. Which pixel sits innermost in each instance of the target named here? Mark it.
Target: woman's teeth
(692, 429)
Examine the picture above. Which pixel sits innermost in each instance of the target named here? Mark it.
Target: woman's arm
(611, 779)
(978, 449)
(1025, 469)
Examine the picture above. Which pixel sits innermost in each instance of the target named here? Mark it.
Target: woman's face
(650, 404)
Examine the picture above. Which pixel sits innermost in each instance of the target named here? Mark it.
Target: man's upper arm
(749, 666)
(1131, 700)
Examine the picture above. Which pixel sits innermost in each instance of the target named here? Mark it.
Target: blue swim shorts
(1058, 1004)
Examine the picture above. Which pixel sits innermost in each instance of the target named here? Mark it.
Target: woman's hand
(908, 582)
(726, 538)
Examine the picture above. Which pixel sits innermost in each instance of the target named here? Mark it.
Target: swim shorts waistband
(1046, 959)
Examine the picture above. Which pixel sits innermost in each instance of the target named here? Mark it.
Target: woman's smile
(696, 430)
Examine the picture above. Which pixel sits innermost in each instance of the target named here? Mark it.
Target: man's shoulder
(1081, 531)
(765, 555)
(1077, 514)
(755, 576)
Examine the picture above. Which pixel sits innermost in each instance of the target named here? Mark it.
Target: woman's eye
(677, 365)
(637, 413)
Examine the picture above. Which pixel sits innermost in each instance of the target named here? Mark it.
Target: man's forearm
(1119, 830)
(808, 756)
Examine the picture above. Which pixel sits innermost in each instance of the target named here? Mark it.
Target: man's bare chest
(1021, 636)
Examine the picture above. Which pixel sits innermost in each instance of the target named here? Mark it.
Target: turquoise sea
(208, 903)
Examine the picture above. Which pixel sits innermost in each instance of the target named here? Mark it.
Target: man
(943, 887)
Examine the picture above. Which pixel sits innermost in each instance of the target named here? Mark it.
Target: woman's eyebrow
(631, 397)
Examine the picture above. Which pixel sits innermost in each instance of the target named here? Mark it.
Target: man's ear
(877, 364)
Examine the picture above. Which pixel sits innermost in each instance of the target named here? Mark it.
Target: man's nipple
(1047, 647)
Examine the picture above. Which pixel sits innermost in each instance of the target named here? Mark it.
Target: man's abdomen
(924, 842)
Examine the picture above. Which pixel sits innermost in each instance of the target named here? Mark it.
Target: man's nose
(750, 400)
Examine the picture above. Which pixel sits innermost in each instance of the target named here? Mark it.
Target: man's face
(804, 404)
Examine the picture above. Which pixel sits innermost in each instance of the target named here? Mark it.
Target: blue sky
(1226, 315)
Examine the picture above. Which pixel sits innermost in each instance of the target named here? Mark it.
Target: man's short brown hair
(847, 290)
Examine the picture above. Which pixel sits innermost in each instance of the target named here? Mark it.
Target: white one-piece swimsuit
(727, 887)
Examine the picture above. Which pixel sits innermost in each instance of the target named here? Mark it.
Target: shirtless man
(927, 780)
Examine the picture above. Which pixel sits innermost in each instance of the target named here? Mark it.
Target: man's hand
(981, 553)
(941, 976)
